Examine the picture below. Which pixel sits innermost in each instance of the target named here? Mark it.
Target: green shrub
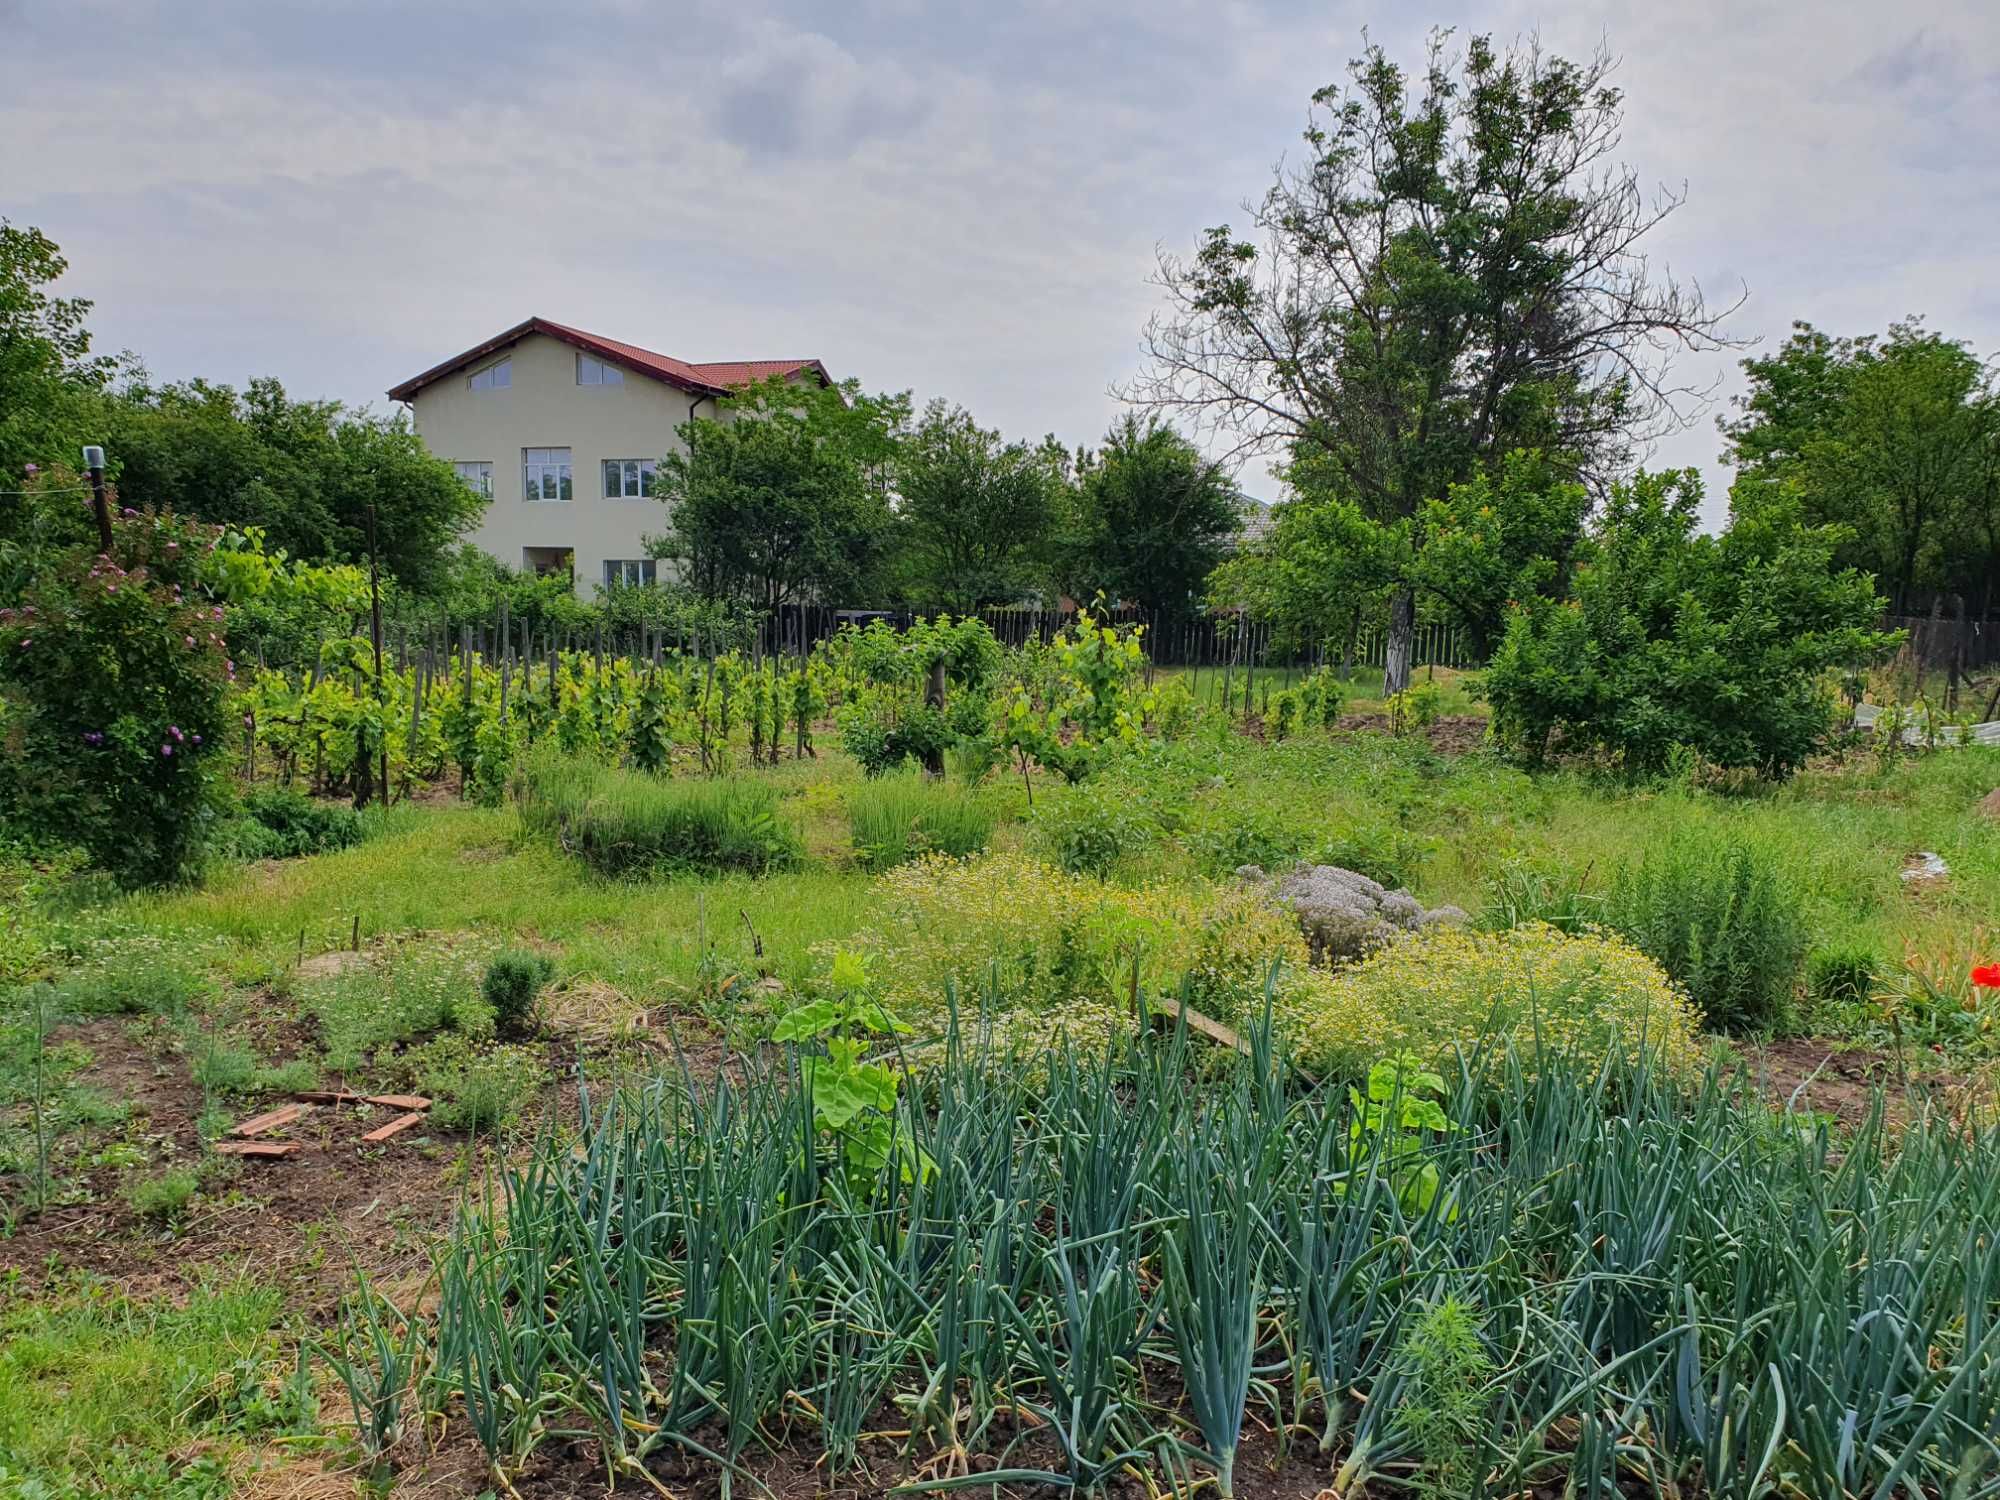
(115, 672)
(1717, 643)
(1088, 828)
(221, 1066)
(1381, 851)
(900, 817)
(1718, 918)
(1224, 837)
(626, 823)
(1443, 989)
(281, 823)
(164, 1197)
(513, 983)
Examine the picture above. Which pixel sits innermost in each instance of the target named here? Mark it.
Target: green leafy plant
(1522, 893)
(626, 823)
(281, 823)
(1842, 976)
(1089, 829)
(853, 1098)
(1390, 1125)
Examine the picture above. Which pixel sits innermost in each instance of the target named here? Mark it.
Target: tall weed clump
(626, 823)
(1715, 913)
(897, 818)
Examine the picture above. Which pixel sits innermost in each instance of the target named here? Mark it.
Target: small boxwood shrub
(626, 823)
(513, 983)
(897, 818)
(1714, 913)
(1444, 989)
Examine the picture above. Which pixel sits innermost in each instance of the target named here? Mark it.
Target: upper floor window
(630, 571)
(494, 377)
(596, 372)
(628, 478)
(478, 474)
(545, 473)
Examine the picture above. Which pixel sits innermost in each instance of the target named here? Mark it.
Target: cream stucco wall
(544, 407)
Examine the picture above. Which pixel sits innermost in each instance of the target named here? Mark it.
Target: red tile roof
(714, 379)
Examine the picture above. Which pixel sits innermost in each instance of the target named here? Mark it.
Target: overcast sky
(962, 200)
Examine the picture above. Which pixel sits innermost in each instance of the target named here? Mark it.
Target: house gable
(717, 378)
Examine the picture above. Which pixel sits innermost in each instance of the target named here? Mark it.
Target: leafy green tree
(1152, 518)
(46, 367)
(1897, 439)
(1326, 564)
(1453, 270)
(1671, 638)
(1316, 575)
(304, 471)
(976, 514)
(1494, 540)
(784, 497)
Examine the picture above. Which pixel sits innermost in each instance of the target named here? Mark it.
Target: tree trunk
(1402, 634)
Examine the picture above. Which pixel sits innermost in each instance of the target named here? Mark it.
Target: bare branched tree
(1440, 280)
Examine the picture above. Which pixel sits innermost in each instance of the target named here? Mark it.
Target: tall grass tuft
(1717, 916)
(626, 823)
(900, 818)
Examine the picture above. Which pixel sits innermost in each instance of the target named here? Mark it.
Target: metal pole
(93, 460)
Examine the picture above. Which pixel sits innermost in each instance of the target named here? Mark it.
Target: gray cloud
(959, 198)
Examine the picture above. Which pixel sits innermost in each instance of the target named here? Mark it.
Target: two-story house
(562, 430)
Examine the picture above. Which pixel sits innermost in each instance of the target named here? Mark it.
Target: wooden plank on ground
(272, 1120)
(395, 1127)
(400, 1101)
(327, 1096)
(1170, 1011)
(255, 1148)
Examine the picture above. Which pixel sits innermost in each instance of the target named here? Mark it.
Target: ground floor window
(630, 571)
(546, 559)
(545, 473)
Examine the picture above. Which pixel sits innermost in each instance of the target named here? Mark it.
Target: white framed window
(628, 478)
(545, 474)
(477, 474)
(591, 371)
(494, 377)
(630, 571)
